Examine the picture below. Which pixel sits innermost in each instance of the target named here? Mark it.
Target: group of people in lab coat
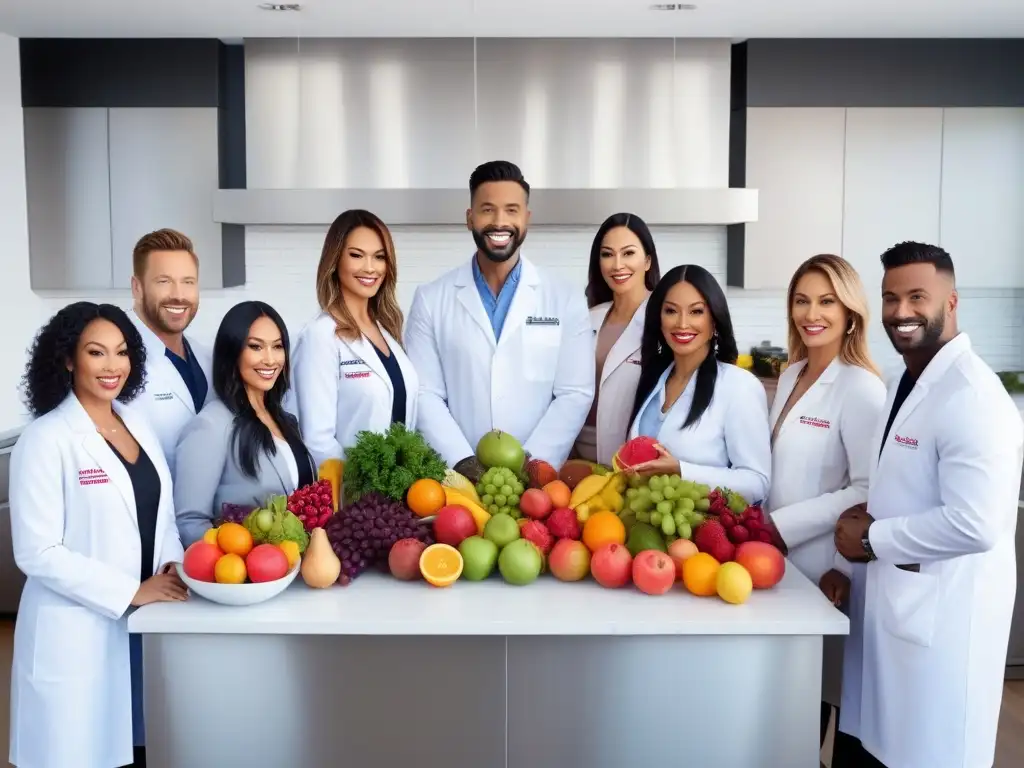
(142, 434)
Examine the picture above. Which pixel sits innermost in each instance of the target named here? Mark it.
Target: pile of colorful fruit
(229, 555)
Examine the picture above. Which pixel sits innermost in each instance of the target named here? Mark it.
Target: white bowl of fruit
(224, 567)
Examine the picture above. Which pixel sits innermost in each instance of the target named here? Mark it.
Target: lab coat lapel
(523, 301)
(161, 368)
(932, 373)
(104, 456)
(365, 349)
(469, 298)
(627, 342)
(809, 400)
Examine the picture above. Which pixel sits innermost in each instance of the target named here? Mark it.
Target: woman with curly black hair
(92, 522)
(242, 447)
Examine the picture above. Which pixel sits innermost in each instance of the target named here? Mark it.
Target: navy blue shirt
(497, 306)
(191, 373)
(397, 384)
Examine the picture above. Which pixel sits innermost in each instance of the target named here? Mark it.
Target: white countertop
(380, 605)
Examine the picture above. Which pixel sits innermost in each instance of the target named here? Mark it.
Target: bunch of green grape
(499, 490)
(668, 502)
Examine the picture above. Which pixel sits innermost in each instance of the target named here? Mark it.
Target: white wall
(19, 308)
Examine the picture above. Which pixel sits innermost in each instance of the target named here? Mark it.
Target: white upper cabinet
(795, 161)
(982, 204)
(893, 165)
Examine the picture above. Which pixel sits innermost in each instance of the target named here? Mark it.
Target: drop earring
(852, 327)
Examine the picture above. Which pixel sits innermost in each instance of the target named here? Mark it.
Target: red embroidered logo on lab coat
(906, 442)
(812, 421)
(92, 477)
(358, 375)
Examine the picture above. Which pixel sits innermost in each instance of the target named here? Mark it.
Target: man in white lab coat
(165, 292)
(499, 343)
(931, 609)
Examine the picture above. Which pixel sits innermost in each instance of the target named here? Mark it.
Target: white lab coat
(166, 401)
(821, 461)
(730, 445)
(341, 388)
(76, 538)
(923, 679)
(617, 385)
(536, 382)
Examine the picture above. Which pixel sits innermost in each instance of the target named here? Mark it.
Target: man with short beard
(932, 603)
(500, 343)
(165, 290)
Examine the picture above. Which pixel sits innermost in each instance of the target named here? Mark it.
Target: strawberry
(739, 533)
(765, 535)
(711, 537)
(726, 520)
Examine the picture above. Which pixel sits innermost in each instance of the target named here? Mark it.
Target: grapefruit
(200, 561)
(634, 452)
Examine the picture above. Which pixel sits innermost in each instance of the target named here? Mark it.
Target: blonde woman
(823, 421)
(350, 371)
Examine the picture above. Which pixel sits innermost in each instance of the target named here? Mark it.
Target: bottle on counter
(768, 361)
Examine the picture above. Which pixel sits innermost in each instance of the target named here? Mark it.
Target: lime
(643, 536)
(478, 556)
(520, 562)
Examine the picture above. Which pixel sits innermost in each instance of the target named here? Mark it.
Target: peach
(763, 562)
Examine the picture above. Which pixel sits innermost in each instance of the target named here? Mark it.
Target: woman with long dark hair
(351, 372)
(709, 417)
(92, 523)
(243, 446)
(623, 272)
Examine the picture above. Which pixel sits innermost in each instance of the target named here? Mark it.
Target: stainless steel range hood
(396, 126)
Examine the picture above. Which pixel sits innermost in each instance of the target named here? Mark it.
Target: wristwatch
(865, 542)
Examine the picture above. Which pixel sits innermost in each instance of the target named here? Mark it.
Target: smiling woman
(351, 372)
(243, 446)
(92, 524)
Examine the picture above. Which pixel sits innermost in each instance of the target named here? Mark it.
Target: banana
(453, 479)
(480, 515)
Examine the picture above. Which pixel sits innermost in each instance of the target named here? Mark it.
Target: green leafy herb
(389, 463)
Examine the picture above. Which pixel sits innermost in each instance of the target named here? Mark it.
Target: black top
(191, 373)
(302, 461)
(397, 383)
(146, 486)
(904, 389)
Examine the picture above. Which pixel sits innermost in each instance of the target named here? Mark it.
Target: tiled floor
(1009, 750)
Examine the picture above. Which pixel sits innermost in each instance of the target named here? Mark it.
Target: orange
(291, 551)
(602, 528)
(441, 565)
(700, 575)
(425, 497)
(230, 569)
(210, 537)
(234, 539)
(559, 493)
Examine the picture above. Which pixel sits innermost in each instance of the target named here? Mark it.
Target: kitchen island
(384, 673)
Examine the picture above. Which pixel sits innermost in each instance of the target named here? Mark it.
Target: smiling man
(931, 609)
(500, 343)
(165, 291)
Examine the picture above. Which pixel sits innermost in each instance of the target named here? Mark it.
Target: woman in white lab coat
(709, 417)
(623, 272)
(823, 421)
(92, 524)
(242, 447)
(351, 373)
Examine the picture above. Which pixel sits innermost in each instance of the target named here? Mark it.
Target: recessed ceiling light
(280, 7)
(673, 7)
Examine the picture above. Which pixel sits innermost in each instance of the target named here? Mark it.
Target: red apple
(763, 562)
(569, 560)
(453, 524)
(654, 573)
(535, 503)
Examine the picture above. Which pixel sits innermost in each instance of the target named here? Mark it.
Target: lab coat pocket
(71, 642)
(540, 353)
(909, 602)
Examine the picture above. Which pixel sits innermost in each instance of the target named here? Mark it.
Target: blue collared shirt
(497, 307)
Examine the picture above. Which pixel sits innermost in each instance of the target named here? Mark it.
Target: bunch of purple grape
(235, 513)
(362, 533)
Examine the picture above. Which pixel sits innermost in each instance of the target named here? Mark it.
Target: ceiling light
(280, 7)
(673, 7)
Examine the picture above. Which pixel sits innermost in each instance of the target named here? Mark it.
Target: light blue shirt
(496, 307)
